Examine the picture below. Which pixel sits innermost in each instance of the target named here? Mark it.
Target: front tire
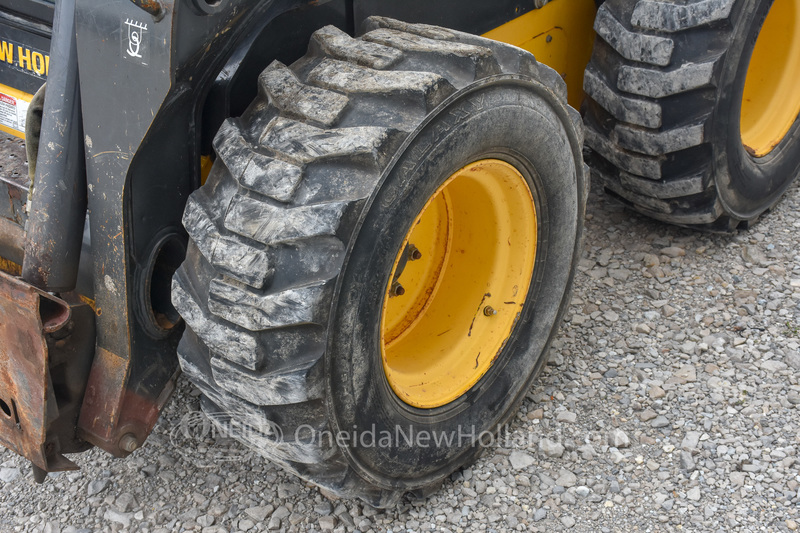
(300, 237)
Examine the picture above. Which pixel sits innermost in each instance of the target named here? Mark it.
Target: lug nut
(398, 289)
(413, 253)
(489, 311)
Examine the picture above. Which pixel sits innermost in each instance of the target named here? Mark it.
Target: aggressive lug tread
(698, 213)
(270, 224)
(665, 190)
(231, 256)
(662, 142)
(476, 59)
(631, 45)
(640, 165)
(237, 345)
(422, 30)
(297, 100)
(652, 84)
(294, 385)
(349, 78)
(291, 171)
(638, 111)
(659, 83)
(306, 144)
(263, 174)
(674, 17)
(257, 312)
(336, 44)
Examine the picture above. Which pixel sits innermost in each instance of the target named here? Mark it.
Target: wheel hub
(771, 99)
(458, 284)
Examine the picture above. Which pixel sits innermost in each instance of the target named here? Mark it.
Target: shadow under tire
(300, 237)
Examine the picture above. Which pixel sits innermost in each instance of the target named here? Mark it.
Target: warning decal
(12, 112)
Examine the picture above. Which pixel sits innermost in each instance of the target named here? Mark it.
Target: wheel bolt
(398, 289)
(413, 253)
(489, 311)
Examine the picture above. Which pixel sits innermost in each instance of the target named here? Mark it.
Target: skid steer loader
(348, 217)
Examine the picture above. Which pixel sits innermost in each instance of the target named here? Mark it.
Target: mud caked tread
(651, 83)
(270, 226)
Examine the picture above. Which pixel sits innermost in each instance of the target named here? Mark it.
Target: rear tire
(666, 126)
(294, 237)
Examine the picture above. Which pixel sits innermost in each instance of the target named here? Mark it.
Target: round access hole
(155, 286)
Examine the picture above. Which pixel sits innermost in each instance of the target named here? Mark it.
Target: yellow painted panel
(560, 35)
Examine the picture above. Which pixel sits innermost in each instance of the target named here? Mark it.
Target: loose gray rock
(660, 422)
(647, 415)
(97, 486)
(618, 439)
(120, 518)
(327, 523)
(566, 479)
(691, 440)
(126, 502)
(7, 475)
(738, 478)
(520, 460)
(754, 254)
(259, 513)
(566, 416)
(673, 251)
(687, 461)
(551, 448)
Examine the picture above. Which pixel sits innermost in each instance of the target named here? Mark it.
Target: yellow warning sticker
(13, 109)
(12, 112)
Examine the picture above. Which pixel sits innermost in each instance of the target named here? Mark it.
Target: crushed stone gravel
(670, 400)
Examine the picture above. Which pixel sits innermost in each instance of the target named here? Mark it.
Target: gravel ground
(671, 401)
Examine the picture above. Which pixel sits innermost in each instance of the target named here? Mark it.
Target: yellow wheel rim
(771, 98)
(458, 284)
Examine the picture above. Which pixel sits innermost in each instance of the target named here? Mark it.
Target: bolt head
(128, 442)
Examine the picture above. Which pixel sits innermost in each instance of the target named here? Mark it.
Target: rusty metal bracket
(30, 319)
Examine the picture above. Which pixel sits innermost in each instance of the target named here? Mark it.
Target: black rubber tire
(665, 87)
(294, 235)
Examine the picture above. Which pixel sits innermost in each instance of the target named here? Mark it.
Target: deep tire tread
(293, 173)
(650, 83)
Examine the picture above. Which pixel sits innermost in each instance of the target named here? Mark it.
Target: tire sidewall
(479, 122)
(747, 185)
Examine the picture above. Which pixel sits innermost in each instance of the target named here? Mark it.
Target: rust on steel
(153, 7)
(111, 410)
(103, 400)
(26, 395)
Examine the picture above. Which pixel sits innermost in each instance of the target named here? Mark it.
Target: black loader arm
(127, 94)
